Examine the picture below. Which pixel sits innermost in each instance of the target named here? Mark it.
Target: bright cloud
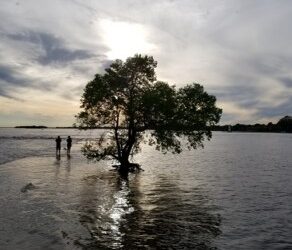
(124, 39)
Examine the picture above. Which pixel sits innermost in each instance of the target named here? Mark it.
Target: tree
(128, 100)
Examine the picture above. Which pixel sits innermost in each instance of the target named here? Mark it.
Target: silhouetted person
(69, 144)
(58, 145)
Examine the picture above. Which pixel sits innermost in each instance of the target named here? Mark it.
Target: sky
(239, 50)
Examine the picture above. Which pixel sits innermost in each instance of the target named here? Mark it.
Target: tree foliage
(128, 99)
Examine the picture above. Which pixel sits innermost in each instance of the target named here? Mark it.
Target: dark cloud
(286, 81)
(54, 49)
(12, 79)
(5, 93)
(280, 110)
(243, 92)
(9, 75)
(50, 52)
(62, 56)
(9, 80)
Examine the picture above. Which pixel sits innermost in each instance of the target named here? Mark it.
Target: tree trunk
(125, 166)
(126, 151)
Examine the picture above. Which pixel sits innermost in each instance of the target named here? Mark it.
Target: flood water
(236, 193)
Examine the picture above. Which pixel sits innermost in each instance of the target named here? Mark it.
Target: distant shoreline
(222, 128)
(284, 125)
(45, 127)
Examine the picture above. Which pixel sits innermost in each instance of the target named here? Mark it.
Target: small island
(32, 126)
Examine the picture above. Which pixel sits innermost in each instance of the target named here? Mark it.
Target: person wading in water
(58, 146)
(69, 145)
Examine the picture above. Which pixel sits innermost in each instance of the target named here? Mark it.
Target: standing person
(69, 145)
(58, 145)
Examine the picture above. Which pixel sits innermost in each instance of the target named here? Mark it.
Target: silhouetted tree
(128, 98)
(285, 124)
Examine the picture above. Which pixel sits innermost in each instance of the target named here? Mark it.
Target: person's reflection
(68, 166)
(58, 165)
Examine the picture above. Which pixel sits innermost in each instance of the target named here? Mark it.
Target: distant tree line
(283, 125)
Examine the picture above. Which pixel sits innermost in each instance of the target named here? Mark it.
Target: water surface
(233, 194)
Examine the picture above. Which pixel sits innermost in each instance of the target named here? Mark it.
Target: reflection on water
(57, 163)
(87, 208)
(118, 215)
(103, 206)
(68, 165)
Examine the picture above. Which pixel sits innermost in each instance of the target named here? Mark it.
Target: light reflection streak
(104, 210)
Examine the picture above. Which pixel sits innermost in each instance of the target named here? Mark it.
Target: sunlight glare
(124, 39)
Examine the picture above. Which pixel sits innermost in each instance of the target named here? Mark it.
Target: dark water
(234, 194)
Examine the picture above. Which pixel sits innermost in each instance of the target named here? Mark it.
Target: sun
(124, 39)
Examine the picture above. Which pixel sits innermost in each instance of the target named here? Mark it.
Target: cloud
(9, 80)
(53, 50)
(242, 114)
(9, 75)
(13, 80)
(286, 81)
(45, 63)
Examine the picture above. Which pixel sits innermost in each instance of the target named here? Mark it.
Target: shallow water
(236, 193)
